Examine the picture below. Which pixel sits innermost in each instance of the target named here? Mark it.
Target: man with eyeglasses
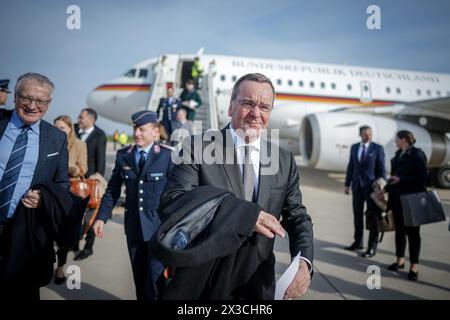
(33, 151)
(273, 194)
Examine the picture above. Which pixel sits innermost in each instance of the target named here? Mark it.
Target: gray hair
(257, 77)
(37, 78)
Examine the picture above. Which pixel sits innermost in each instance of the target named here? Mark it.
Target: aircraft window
(143, 73)
(300, 83)
(322, 85)
(399, 91)
(311, 84)
(130, 73)
(349, 87)
(438, 93)
(333, 85)
(290, 83)
(419, 92)
(222, 78)
(428, 93)
(388, 90)
(279, 82)
(233, 78)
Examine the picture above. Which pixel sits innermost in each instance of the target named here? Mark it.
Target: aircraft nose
(95, 101)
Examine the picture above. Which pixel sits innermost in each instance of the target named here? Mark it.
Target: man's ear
(230, 110)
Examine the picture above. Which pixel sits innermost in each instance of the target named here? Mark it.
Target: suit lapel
(232, 171)
(91, 136)
(130, 160)
(44, 141)
(265, 181)
(4, 120)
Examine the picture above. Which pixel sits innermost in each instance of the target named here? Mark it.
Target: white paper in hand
(286, 278)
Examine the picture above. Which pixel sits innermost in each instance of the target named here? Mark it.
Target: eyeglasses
(248, 105)
(25, 101)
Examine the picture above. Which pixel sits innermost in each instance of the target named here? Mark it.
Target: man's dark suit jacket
(96, 150)
(278, 194)
(52, 165)
(361, 174)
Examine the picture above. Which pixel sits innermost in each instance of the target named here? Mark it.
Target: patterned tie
(141, 161)
(249, 176)
(12, 171)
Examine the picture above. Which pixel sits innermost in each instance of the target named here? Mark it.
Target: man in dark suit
(254, 174)
(95, 139)
(167, 111)
(366, 164)
(143, 169)
(32, 152)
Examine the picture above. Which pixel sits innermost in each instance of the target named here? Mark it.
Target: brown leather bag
(87, 187)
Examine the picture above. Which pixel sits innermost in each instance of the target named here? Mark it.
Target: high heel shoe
(395, 266)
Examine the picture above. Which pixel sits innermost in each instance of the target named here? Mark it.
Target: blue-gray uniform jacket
(142, 190)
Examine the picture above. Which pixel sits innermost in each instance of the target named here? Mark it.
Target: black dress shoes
(413, 275)
(83, 254)
(395, 266)
(369, 253)
(354, 246)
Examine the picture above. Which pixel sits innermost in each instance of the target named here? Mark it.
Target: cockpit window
(130, 73)
(142, 73)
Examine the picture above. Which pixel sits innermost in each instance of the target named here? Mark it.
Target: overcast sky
(116, 34)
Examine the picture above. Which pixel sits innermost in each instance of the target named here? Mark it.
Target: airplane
(318, 107)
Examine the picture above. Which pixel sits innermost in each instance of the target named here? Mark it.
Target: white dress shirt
(84, 133)
(367, 144)
(239, 145)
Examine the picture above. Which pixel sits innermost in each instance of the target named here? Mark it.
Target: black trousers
(90, 235)
(62, 256)
(360, 197)
(147, 271)
(401, 232)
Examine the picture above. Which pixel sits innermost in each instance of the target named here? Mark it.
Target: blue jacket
(142, 190)
(52, 165)
(363, 174)
(169, 111)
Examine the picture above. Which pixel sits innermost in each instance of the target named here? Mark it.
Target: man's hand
(269, 226)
(98, 228)
(32, 199)
(347, 190)
(393, 180)
(301, 282)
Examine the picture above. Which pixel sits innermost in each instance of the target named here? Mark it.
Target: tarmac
(338, 274)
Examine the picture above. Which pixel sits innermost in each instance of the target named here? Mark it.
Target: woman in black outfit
(409, 175)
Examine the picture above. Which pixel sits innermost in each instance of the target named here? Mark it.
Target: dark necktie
(141, 161)
(363, 153)
(249, 175)
(12, 171)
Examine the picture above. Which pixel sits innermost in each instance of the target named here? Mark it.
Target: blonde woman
(77, 168)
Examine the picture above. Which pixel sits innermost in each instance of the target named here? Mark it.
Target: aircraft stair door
(366, 92)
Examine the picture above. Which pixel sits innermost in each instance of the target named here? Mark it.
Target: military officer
(4, 91)
(167, 110)
(143, 168)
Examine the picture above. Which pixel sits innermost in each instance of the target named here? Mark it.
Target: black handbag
(422, 208)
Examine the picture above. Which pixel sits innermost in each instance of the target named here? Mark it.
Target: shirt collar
(88, 131)
(18, 123)
(147, 150)
(239, 142)
(365, 144)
